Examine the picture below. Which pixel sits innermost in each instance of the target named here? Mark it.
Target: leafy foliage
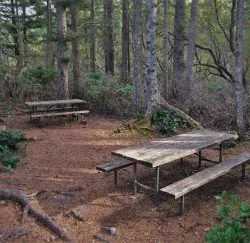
(107, 95)
(165, 122)
(8, 141)
(233, 228)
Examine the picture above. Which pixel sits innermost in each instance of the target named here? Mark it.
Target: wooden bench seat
(66, 113)
(114, 166)
(182, 187)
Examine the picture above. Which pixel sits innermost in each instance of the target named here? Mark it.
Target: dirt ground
(61, 167)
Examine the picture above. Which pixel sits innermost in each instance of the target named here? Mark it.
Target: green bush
(40, 75)
(8, 141)
(11, 138)
(233, 228)
(165, 122)
(106, 95)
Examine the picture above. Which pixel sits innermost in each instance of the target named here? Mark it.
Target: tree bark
(92, 37)
(125, 42)
(75, 52)
(165, 50)
(239, 88)
(179, 37)
(62, 55)
(49, 44)
(108, 37)
(137, 51)
(190, 57)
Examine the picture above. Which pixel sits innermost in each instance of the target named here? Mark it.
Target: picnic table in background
(53, 108)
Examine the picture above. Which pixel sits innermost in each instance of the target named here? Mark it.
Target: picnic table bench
(182, 187)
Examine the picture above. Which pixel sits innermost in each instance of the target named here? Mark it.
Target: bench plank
(114, 165)
(60, 114)
(190, 183)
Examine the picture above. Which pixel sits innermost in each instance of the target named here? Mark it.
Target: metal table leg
(135, 177)
(157, 180)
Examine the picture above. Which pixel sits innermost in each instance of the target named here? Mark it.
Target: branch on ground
(21, 198)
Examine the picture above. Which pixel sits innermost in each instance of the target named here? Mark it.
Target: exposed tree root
(161, 103)
(21, 198)
(11, 234)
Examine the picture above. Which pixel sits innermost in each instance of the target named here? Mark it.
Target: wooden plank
(198, 179)
(113, 165)
(166, 150)
(61, 114)
(55, 102)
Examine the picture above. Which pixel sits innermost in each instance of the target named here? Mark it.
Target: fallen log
(21, 198)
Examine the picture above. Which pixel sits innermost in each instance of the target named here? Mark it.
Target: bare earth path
(61, 167)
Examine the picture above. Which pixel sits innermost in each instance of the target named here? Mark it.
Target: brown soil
(61, 167)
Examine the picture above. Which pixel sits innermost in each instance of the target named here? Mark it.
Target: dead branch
(21, 198)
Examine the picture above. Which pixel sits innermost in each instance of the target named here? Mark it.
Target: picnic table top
(166, 150)
(55, 102)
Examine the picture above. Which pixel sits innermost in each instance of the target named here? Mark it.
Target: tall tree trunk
(125, 42)
(108, 36)
(137, 51)
(23, 3)
(179, 37)
(165, 50)
(62, 55)
(49, 45)
(190, 56)
(92, 37)
(75, 52)
(239, 88)
(151, 58)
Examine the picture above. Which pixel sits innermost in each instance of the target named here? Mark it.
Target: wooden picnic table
(52, 108)
(159, 152)
(52, 103)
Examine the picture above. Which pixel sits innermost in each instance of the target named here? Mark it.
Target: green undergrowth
(233, 221)
(8, 145)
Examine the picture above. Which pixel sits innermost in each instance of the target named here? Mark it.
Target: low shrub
(233, 222)
(167, 123)
(106, 95)
(8, 142)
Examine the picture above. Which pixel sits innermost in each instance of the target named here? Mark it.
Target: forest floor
(60, 169)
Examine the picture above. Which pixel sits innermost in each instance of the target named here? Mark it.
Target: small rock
(109, 230)
(206, 229)
(196, 233)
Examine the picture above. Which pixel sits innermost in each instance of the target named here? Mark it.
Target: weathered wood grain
(54, 102)
(162, 151)
(114, 165)
(67, 113)
(190, 183)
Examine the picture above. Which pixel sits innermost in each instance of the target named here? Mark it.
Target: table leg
(135, 176)
(220, 158)
(199, 159)
(157, 180)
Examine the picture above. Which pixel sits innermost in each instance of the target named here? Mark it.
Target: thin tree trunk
(75, 52)
(165, 50)
(108, 36)
(24, 27)
(125, 42)
(239, 88)
(190, 56)
(49, 45)
(137, 51)
(92, 37)
(62, 56)
(179, 37)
